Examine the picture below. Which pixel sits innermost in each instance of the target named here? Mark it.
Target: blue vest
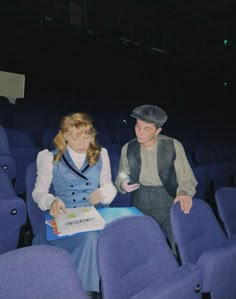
(73, 185)
(166, 156)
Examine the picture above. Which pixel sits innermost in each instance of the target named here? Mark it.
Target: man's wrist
(182, 192)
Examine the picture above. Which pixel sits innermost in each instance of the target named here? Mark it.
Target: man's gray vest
(166, 156)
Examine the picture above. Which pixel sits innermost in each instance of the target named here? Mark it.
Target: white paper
(79, 219)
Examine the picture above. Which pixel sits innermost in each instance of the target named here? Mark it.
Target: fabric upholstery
(36, 216)
(39, 272)
(226, 206)
(135, 261)
(201, 240)
(13, 217)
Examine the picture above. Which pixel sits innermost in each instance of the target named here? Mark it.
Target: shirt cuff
(109, 192)
(44, 201)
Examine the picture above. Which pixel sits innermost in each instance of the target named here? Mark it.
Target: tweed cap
(150, 114)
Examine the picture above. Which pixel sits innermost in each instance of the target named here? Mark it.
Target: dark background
(179, 55)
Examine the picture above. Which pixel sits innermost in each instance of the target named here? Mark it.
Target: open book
(107, 213)
(81, 219)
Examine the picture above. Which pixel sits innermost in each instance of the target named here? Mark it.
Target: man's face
(146, 133)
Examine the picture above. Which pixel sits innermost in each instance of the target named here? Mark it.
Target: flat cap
(150, 114)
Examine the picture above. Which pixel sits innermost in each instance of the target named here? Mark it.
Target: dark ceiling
(140, 47)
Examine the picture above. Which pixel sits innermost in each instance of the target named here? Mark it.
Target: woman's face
(77, 140)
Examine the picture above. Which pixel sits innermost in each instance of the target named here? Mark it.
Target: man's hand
(95, 197)
(129, 188)
(185, 202)
(56, 206)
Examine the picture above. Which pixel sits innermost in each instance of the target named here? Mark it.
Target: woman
(76, 174)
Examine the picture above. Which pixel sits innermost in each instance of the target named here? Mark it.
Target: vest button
(73, 193)
(74, 199)
(72, 186)
(87, 184)
(84, 198)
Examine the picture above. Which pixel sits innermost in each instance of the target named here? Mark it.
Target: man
(155, 168)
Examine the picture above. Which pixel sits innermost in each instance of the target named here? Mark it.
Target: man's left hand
(185, 202)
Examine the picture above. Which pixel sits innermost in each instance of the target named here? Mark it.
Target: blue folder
(108, 213)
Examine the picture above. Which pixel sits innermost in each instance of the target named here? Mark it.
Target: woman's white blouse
(41, 193)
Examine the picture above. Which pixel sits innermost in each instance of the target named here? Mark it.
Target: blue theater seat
(7, 161)
(226, 205)
(24, 151)
(135, 262)
(12, 215)
(40, 272)
(201, 240)
(36, 215)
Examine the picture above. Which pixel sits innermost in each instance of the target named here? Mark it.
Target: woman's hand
(56, 206)
(95, 197)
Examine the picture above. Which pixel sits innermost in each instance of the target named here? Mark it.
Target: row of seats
(207, 255)
(30, 177)
(119, 127)
(35, 215)
(152, 272)
(40, 271)
(187, 277)
(35, 114)
(16, 152)
(213, 166)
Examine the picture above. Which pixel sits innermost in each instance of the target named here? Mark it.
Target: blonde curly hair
(84, 124)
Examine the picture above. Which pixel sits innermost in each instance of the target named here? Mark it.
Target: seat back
(31, 121)
(13, 217)
(7, 161)
(201, 173)
(36, 216)
(12, 214)
(205, 154)
(124, 134)
(8, 164)
(19, 138)
(104, 137)
(121, 200)
(48, 136)
(226, 206)
(219, 172)
(24, 151)
(132, 253)
(4, 144)
(195, 232)
(40, 272)
(6, 186)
